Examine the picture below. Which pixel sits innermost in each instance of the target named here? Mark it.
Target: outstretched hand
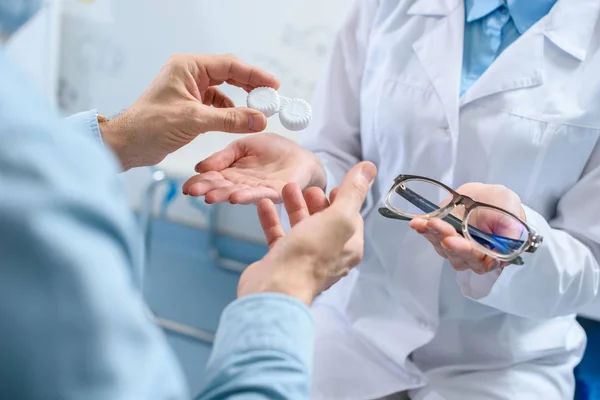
(255, 168)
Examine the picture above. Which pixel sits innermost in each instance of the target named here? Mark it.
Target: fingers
(431, 234)
(247, 88)
(269, 221)
(294, 202)
(354, 188)
(315, 200)
(214, 97)
(449, 244)
(203, 183)
(462, 255)
(231, 120)
(216, 69)
(333, 194)
(441, 229)
(223, 193)
(217, 189)
(222, 159)
(457, 257)
(202, 188)
(253, 195)
(458, 250)
(340, 217)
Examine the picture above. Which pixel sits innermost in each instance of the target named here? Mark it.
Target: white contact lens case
(294, 114)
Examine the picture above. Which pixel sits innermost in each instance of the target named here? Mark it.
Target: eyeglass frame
(530, 245)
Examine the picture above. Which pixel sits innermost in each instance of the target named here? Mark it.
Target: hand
(319, 247)
(460, 251)
(254, 168)
(181, 103)
(299, 206)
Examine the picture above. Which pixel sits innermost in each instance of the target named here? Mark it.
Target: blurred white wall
(35, 48)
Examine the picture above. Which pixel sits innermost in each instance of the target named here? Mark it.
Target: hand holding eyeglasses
(461, 252)
(479, 227)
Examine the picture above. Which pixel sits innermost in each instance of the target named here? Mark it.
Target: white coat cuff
(485, 288)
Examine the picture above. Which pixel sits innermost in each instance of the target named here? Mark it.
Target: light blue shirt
(492, 26)
(73, 323)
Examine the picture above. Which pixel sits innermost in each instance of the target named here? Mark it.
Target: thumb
(351, 194)
(233, 120)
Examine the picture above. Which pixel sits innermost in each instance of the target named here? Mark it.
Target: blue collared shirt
(74, 324)
(491, 26)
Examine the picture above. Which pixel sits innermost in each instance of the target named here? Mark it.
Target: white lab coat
(405, 319)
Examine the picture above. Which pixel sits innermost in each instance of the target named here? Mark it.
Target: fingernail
(369, 172)
(433, 232)
(255, 122)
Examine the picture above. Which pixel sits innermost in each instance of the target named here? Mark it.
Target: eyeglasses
(493, 231)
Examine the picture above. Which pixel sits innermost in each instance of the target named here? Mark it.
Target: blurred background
(102, 54)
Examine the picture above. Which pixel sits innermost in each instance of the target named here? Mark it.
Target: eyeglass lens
(489, 228)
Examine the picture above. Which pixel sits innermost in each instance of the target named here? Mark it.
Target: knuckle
(343, 221)
(230, 121)
(176, 59)
(359, 188)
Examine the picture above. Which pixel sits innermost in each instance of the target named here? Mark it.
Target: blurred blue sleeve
(263, 350)
(87, 123)
(74, 324)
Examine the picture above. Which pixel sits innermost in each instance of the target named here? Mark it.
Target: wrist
(294, 280)
(113, 134)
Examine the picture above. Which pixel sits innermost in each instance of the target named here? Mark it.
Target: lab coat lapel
(521, 65)
(440, 52)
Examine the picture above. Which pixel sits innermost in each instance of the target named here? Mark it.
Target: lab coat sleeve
(334, 135)
(563, 275)
(263, 350)
(87, 123)
(74, 325)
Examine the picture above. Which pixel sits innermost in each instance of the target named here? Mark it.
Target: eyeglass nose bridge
(464, 201)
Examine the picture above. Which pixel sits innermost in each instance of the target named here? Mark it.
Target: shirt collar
(524, 13)
(476, 9)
